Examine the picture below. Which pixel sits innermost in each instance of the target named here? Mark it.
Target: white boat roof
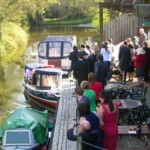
(69, 38)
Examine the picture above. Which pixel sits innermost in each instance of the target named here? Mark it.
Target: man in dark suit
(124, 59)
(101, 70)
(74, 56)
(81, 69)
(89, 59)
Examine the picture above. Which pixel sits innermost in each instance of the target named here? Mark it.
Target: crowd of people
(97, 114)
(133, 57)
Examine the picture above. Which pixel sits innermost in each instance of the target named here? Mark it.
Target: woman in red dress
(140, 64)
(108, 114)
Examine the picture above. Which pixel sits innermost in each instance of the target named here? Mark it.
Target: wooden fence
(121, 28)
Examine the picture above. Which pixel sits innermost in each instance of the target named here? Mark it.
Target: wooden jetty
(66, 115)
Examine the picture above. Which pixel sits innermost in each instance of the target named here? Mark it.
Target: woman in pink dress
(97, 87)
(108, 114)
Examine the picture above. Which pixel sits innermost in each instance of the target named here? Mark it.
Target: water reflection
(38, 33)
(11, 88)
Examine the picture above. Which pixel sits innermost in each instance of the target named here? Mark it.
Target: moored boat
(25, 128)
(55, 50)
(43, 85)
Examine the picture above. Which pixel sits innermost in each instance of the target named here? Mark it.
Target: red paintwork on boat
(55, 62)
(47, 104)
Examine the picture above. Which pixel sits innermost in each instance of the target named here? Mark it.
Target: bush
(13, 44)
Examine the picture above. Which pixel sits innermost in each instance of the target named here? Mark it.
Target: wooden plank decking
(66, 114)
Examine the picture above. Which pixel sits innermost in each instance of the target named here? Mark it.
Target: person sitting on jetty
(84, 125)
(89, 129)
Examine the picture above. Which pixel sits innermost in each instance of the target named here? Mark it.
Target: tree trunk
(2, 75)
(39, 19)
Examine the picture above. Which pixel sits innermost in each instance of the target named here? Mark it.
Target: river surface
(11, 89)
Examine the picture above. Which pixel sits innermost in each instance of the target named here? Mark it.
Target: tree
(13, 38)
(16, 10)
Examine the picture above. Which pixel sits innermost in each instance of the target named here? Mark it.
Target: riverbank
(52, 22)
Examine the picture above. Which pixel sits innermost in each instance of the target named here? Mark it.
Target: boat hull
(49, 104)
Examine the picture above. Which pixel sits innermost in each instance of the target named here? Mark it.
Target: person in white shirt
(83, 48)
(106, 53)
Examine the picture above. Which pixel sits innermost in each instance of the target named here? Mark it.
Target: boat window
(38, 81)
(42, 49)
(47, 81)
(58, 80)
(54, 49)
(17, 137)
(67, 49)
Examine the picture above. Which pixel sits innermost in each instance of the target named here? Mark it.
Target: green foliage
(108, 14)
(14, 39)
(67, 21)
(76, 10)
(13, 43)
(72, 9)
(52, 11)
(146, 1)
(18, 10)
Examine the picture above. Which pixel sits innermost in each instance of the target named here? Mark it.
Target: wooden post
(79, 143)
(79, 139)
(101, 23)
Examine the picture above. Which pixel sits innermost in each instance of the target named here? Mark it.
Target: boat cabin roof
(36, 66)
(66, 38)
(33, 66)
(49, 71)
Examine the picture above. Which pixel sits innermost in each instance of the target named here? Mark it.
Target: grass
(85, 20)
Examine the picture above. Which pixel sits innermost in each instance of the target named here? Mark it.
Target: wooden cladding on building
(121, 28)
